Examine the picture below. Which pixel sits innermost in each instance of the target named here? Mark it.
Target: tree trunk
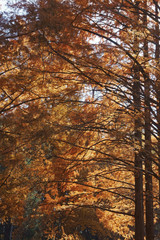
(157, 57)
(139, 209)
(8, 230)
(147, 147)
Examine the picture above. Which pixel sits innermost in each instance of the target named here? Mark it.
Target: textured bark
(139, 209)
(147, 147)
(157, 57)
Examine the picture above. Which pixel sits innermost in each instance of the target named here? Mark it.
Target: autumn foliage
(80, 120)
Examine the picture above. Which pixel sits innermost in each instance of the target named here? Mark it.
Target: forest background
(80, 120)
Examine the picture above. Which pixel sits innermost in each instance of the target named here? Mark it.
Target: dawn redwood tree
(157, 58)
(139, 208)
(58, 135)
(114, 32)
(148, 143)
(25, 107)
(31, 111)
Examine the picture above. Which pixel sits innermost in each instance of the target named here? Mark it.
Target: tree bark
(139, 208)
(147, 146)
(157, 57)
(8, 230)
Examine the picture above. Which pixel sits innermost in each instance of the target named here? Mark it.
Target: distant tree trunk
(147, 147)
(139, 209)
(157, 57)
(8, 230)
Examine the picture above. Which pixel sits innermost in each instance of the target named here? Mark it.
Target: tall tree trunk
(147, 146)
(157, 57)
(8, 230)
(139, 208)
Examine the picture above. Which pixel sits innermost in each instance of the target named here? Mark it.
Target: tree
(156, 35)
(148, 144)
(109, 34)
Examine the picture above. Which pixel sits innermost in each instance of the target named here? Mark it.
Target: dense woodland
(80, 120)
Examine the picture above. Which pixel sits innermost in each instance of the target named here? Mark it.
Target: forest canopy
(80, 120)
